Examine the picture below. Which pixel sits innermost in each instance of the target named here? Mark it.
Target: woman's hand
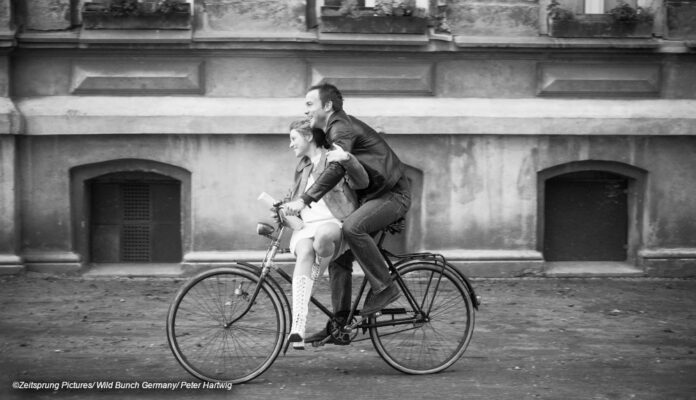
(336, 154)
(293, 207)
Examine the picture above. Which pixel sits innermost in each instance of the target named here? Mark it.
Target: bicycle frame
(257, 342)
(268, 264)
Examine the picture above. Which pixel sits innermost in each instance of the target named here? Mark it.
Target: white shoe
(297, 341)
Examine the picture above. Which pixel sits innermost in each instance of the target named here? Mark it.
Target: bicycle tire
(201, 343)
(274, 283)
(435, 344)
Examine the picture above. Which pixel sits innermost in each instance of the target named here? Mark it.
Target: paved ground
(535, 338)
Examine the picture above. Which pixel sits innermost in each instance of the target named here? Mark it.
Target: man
(386, 199)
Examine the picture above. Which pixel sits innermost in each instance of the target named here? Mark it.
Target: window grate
(135, 239)
(136, 201)
(135, 243)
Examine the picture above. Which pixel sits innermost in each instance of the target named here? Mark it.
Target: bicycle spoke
(202, 341)
(438, 341)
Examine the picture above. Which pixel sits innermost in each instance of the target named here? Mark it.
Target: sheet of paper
(291, 221)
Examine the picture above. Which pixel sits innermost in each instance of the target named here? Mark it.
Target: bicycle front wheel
(216, 336)
(440, 335)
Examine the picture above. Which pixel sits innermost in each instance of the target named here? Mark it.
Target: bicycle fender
(476, 300)
(276, 287)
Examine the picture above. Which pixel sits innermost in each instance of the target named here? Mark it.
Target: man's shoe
(376, 302)
(318, 337)
(324, 335)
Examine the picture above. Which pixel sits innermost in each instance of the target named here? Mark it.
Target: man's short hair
(329, 92)
(302, 126)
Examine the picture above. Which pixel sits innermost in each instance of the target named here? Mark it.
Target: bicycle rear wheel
(440, 336)
(199, 338)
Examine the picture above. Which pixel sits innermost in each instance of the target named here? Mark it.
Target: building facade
(528, 153)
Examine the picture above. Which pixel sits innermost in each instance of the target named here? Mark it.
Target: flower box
(96, 15)
(333, 22)
(599, 26)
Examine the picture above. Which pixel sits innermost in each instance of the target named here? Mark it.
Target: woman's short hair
(318, 136)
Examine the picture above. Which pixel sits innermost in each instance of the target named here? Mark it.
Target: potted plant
(621, 21)
(135, 14)
(387, 16)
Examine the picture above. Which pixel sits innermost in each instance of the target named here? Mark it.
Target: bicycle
(229, 324)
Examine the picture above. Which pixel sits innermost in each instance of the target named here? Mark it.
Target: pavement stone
(535, 338)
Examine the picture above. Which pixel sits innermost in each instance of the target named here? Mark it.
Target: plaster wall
(8, 196)
(5, 15)
(479, 191)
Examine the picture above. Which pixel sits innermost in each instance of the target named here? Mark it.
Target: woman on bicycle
(320, 240)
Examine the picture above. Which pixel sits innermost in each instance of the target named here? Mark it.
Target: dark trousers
(358, 229)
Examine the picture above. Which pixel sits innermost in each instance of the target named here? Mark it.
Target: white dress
(315, 216)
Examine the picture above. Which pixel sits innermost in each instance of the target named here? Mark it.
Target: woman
(319, 241)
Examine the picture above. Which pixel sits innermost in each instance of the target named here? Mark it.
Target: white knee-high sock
(301, 292)
(319, 266)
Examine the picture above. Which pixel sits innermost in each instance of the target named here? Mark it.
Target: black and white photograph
(348, 199)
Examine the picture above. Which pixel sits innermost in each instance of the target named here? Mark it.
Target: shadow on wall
(411, 239)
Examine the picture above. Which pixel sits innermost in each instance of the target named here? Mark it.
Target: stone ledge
(677, 262)
(7, 37)
(474, 263)
(146, 270)
(56, 37)
(495, 263)
(81, 115)
(670, 267)
(228, 36)
(52, 261)
(11, 264)
(568, 269)
(664, 253)
(205, 257)
(130, 37)
(490, 255)
(371, 39)
(10, 119)
(550, 42)
(211, 39)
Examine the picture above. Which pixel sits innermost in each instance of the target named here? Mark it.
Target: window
(135, 218)
(602, 6)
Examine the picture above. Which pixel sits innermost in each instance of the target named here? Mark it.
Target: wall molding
(137, 76)
(377, 77)
(599, 79)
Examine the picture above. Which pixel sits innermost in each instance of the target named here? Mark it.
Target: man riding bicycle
(386, 199)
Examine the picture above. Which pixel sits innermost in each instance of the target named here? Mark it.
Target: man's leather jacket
(383, 167)
(341, 200)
